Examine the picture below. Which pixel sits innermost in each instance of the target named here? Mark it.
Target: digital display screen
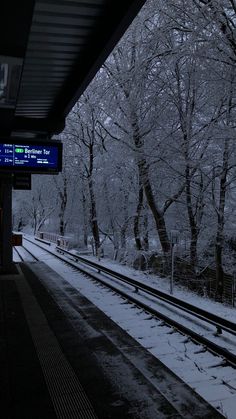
(33, 157)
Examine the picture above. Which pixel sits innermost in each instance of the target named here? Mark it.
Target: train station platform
(61, 357)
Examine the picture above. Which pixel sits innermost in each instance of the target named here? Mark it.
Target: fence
(61, 241)
(203, 283)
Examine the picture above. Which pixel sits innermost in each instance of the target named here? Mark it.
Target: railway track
(123, 360)
(24, 254)
(140, 294)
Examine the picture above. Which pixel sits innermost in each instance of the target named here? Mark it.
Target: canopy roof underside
(49, 52)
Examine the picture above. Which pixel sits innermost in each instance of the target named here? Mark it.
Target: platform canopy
(49, 52)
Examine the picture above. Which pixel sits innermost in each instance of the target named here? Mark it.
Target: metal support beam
(5, 222)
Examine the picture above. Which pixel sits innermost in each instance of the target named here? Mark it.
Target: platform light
(3, 80)
(10, 74)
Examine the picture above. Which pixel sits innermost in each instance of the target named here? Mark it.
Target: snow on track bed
(21, 253)
(197, 367)
(199, 329)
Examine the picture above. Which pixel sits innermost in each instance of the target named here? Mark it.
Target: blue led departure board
(31, 156)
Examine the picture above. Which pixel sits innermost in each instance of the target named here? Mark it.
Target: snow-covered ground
(201, 370)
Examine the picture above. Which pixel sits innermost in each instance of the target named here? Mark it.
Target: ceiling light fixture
(10, 74)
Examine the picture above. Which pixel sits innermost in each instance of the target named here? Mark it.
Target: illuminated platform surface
(61, 357)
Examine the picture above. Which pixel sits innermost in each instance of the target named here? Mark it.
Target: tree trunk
(194, 232)
(125, 224)
(35, 223)
(85, 219)
(193, 247)
(220, 225)
(20, 224)
(93, 218)
(63, 204)
(158, 216)
(123, 237)
(219, 269)
(137, 235)
(145, 234)
(61, 228)
(93, 208)
(145, 180)
(111, 223)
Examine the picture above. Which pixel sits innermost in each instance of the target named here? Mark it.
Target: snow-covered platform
(61, 357)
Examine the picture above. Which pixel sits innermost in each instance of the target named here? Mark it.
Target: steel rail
(31, 254)
(18, 253)
(212, 347)
(218, 322)
(28, 251)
